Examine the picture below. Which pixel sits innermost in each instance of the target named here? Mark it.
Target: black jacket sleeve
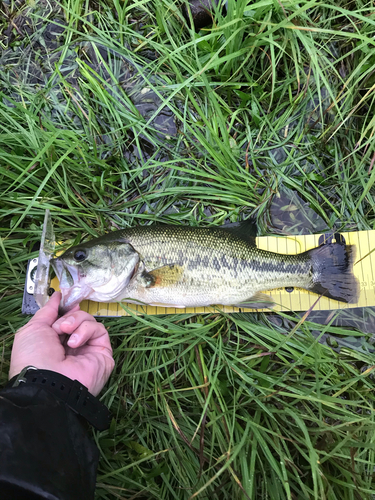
(45, 451)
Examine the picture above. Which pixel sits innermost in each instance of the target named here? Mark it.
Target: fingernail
(73, 339)
(68, 321)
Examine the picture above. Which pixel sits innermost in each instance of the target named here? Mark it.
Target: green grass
(115, 113)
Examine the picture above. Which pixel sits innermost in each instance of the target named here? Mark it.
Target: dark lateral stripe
(237, 265)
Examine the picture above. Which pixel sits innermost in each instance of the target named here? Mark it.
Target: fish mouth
(72, 291)
(68, 276)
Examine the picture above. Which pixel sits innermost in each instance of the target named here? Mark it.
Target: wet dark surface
(202, 12)
(290, 214)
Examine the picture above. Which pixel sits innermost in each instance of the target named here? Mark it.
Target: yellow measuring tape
(295, 300)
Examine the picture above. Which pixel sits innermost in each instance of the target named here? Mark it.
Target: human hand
(87, 357)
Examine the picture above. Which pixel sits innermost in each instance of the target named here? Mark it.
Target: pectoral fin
(258, 301)
(165, 276)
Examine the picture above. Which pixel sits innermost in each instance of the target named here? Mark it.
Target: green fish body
(183, 266)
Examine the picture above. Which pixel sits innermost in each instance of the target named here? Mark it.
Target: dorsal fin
(247, 230)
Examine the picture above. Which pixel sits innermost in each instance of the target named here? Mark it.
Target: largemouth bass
(182, 266)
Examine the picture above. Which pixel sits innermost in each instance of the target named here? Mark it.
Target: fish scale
(218, 266)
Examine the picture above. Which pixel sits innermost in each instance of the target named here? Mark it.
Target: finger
(74, 309)
(49, 313)
(90, 332)
(71, 321)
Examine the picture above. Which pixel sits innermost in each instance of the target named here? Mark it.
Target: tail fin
(332, 272)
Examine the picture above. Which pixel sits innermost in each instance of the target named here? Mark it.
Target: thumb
(49, 313)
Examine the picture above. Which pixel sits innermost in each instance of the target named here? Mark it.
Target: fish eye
(79, 255)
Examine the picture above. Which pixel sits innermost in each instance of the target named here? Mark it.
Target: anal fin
(257, 301)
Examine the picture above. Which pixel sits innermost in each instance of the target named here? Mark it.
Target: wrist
(71, 392)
